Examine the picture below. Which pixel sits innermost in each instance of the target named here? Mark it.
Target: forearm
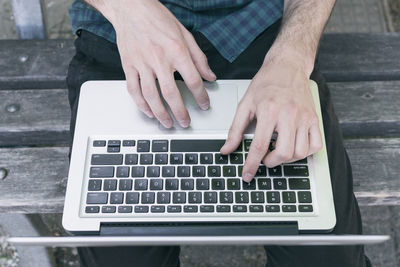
(302, 25)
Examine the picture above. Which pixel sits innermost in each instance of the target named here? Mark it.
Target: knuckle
(168, 90)
(300, 154)
(177, 46)
(194, 82)
(260, 146)
(284, 154)
(148, 92)
(156, 50)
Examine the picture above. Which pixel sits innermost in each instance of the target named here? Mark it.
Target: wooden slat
(36, 178)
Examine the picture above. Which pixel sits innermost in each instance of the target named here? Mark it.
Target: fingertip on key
(247, 177)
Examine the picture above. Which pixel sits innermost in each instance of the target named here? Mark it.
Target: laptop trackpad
(223, 102)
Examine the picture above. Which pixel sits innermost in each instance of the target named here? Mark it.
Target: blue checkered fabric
(230, 25)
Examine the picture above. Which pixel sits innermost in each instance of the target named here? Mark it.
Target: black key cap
(202, 184)
(236, 158)
(223, 208)
(114, 143)
(108, 209)
(196, 145)
(132, 198)
(179, 197)
(110, 185)
(131, 159)
(272, 208)
(156, 184)
(141, 184)
(257, 197)
(116, 198)
(191, 158)
(273, 197)
(92, 209)
(183, 171)
(94, 185)
(113, 149)
(143, 146)
(101, 172)
(275, 172)
(106, 159)
(168, 171)
(241, 197)
(128, 143)
(137, 171)
(125, 184)
(99, 143)
(221, 159)
(161, 159)
(174, 209)
(194, 197)
(288, 208)
(299, 183)
(295, 170)
(159, 146)
(147, 198)
(157, 209)
(264, 184)
(240, 147)
(206, 158)
(214, 171)
(171, 184)
(233, 184)
(304, 196)
(305, 208)
(247, 144)
(218, 184)
(229, 171)
(141, 209)
(187, 184)
(97, 198)
(206, 208)
(176, 158)
(280, 184)
(210, 197)
(198, 171)
(122, 172)
(153, 171)
(146, 159)
(163, 197)
(190, 208)
(301, 161)
(288, 197)
(249, 186)
(261, 171)
(124, 209)
(256, 208)
(240, 170)
(226, 197)
(239, 208)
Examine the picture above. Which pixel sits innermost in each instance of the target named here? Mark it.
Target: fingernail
(247, 177)
(205, 106)
(184, 123)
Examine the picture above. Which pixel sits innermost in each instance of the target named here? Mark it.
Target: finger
(315, 139)
(302, 144)
(150, 94)
(132, 82)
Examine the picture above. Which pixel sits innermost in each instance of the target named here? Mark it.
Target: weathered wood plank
(36, 177)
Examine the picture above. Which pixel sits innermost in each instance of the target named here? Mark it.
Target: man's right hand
(153, 44)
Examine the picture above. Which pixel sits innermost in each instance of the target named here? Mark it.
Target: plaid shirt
(230, 25)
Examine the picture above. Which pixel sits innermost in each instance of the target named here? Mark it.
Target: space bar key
(193, 145)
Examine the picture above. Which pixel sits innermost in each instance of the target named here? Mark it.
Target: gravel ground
(8, 253)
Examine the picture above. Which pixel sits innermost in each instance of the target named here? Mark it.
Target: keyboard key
(288, 197)
(223, 208)
(122, 172)
(187, 184)
(299, 183)
(229, 171)
(304, 196)
(301, 161)
(132, 198)
(179, 197)
(214, 171)
(239, 148)
(183, 171)
(101, 172)
(141, 209)
(210, 197)
(249, 186)
(99, 143)
(288, 208)
(221, 159)
(116, 198)
(113, 149)
(305, 208)
(146, 159)
(233, 184)
(198, 171)
(261, 171)
(264, 184)
(159, 146)
(226, 197)
(240, 170)
(110, 185)
(153, 171)
(131, 159)
(194, 197)
(168, 171)
(218, 184)
(256, 208)
(148, 198)
(94, 185)
(125, 184)
(188, 145)
(275, 172)
(141, 184)
(239, 208)
(295, 170)
(202, 184)
(97, 198)
(241, 197)
(156, 184)
(236, 158)
(106, 159)
(257, 197)
(174, 209)
(272, 208)
(190, 208)
(176, 158)
(143, 146)
(92, 209)
(124, 209)
(206, 208)
(114, 143)
(108, 209)
(163, 197)
(273, 197)
(137, 171)
(247, 143)
(157, 209)
(161, 159)
(171, 184)
(191, 158)
(206, 158)
(128, 143)
(280, 184)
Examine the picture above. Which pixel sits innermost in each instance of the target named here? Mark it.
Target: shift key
(106, 159)
(101, 172)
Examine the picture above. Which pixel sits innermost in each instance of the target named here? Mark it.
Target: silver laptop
(129, 176)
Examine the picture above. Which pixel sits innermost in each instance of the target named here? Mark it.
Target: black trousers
(98, 59)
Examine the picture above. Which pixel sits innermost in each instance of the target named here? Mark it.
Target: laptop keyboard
(148, 177)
